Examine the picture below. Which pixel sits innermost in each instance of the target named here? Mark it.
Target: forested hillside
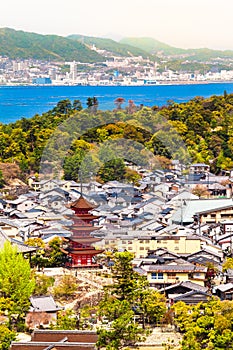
(154, 46)
(19, 44)
(110, 45)
(205, 126)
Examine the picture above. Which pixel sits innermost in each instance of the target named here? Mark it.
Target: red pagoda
(79, 250)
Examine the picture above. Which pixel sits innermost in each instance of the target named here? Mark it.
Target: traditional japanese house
(79, 249)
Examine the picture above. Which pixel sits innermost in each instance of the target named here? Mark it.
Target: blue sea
(26, 101)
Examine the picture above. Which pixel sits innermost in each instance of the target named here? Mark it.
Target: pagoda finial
(81, 182)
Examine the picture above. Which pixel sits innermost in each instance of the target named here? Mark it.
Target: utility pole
(181, 213)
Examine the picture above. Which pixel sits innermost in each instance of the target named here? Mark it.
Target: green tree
(66, 319)
(125, 300)
(72, 165)
(43, 283)
(38, 258)
(63, 107)
(6, 337)
(124, 276)
(132, 176)
(16, 281)
(205, 325)
(113, 169)
(77, 106)
(228, 264)
(53, 253)
(152, 305)
(67, 286)
(1, 179)
(123, 330)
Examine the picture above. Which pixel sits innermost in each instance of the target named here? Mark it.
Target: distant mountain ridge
(111, 45)
(151, 45)
(19, 44)
(154, 46)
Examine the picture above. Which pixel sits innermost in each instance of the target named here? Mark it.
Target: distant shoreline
(170, 83)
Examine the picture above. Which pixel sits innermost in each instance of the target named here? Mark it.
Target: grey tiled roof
(43, 303)
(225, 287)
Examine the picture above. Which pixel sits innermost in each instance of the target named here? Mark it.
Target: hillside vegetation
(154, 47)
(19, 44)
(110, 45)
(205, 126)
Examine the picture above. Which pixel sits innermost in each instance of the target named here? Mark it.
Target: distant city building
(73, 70)
(41, 81)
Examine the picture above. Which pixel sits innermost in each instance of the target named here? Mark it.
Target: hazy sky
(181, 23)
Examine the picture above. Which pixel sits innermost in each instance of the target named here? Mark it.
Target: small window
(154, 275)
(160, 276)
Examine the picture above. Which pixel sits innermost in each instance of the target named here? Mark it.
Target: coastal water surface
(26, 101)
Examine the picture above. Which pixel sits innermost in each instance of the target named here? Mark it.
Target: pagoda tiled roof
(82, 203)
(85, 228)
(83, 251)
(84, 239)
(86, 216)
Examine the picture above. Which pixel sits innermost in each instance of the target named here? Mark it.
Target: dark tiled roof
(188, 284)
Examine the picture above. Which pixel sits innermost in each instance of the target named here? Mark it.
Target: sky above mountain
(180, 23)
